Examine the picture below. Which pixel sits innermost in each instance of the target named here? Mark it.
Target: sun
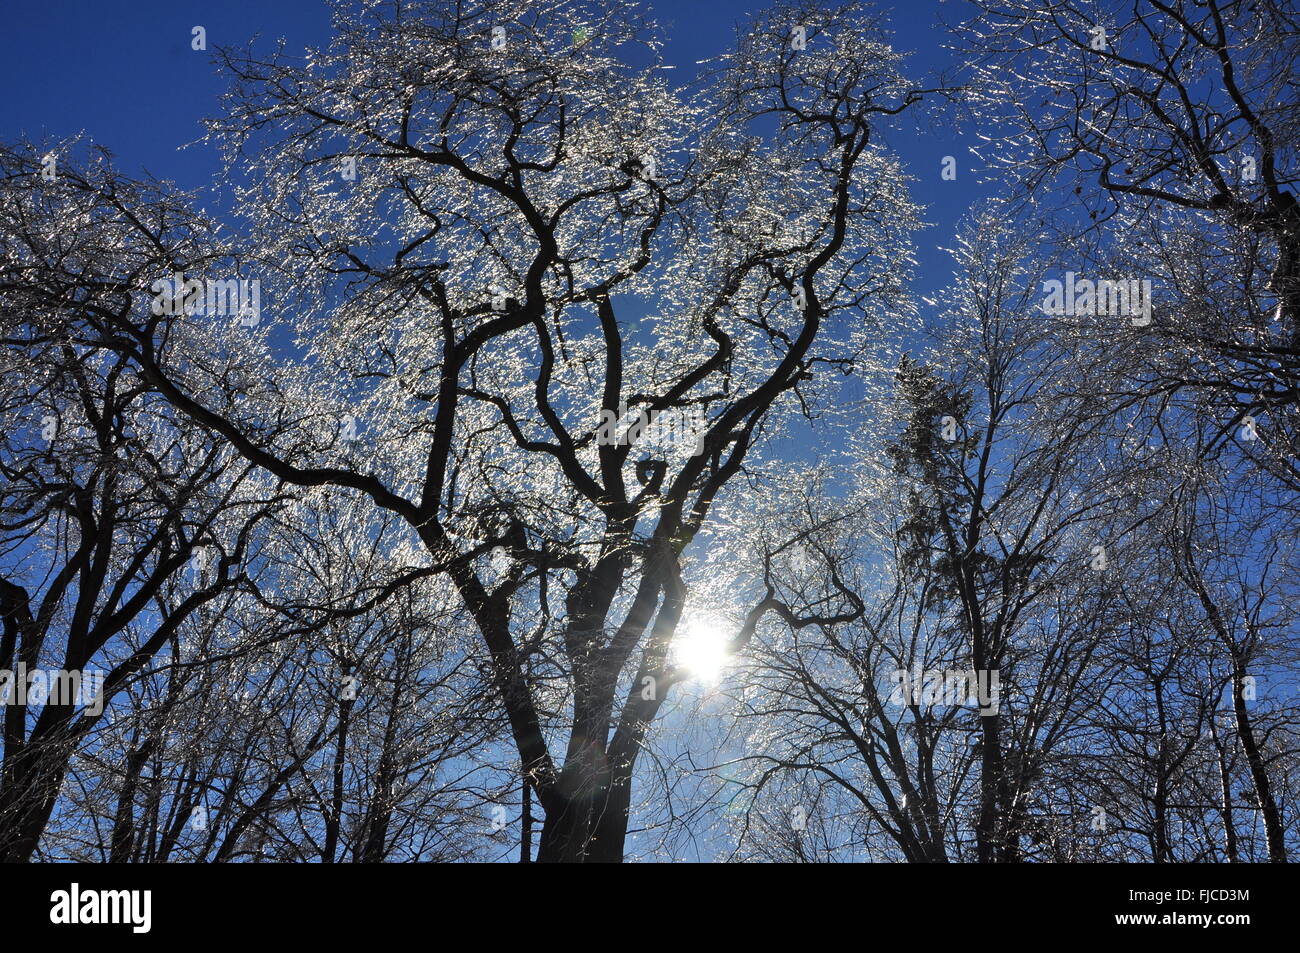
(701, 648)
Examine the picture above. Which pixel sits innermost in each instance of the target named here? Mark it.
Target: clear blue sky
(123, 74)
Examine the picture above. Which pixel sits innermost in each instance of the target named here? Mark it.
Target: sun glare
(701, 648)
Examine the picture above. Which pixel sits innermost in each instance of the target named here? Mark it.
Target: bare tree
(542, 189)
(1166, 131)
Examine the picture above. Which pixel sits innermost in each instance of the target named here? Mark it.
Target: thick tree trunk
(591, 823)
(569, 830)
(611, 825)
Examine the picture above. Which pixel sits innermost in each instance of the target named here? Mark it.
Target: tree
(120, 521)
(513, 206)
(950, 705)
(1166, 132)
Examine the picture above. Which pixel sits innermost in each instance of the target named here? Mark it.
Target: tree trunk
(26, 813)
(526, 825)
(986, 830)
(568, 833)
(1273, 828)
(123, 838)
(1225, 787)
(334, 822)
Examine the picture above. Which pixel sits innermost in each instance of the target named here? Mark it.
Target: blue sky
(123, 74)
